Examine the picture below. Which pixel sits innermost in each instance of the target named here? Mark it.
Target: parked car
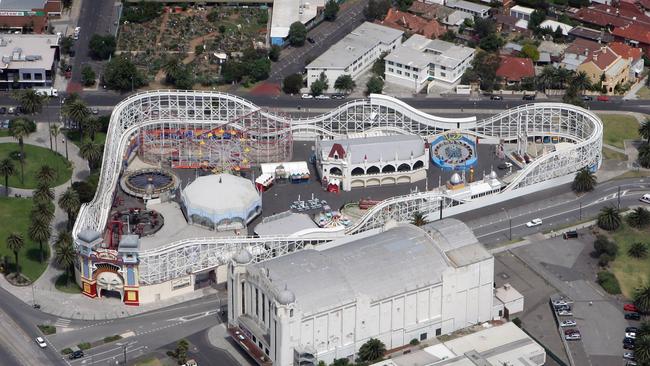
(528, 97)
(572, 336)
(628, 346)
(603, 98)
(587, 97)
(628, 341)
(310, 40)
(562, 307)
(496, 97)
(11, 110)
(41, 342)
(631, 335)
(534, 222)
(645, 198)
(505, 165)
(322, 96)
(572, 234)
(307, 96)
(76, 354)
(628, 355)
(568, 323)
(338, 96)
(630, 363)
(565, 313)
(3, 110)
(630, 307)
(631, 329)
(633, 316)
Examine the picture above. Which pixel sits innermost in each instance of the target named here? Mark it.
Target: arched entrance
(109, 283)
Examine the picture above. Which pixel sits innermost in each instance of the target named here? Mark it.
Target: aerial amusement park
(189, 178)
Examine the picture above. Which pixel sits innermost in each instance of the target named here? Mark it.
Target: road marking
(62, 323)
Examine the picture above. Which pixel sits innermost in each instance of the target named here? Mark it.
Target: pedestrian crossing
(62, 323)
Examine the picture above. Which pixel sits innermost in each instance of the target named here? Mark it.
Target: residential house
(521, 12)
(412, 24)
(636, 34)
(553, 25)
(420, 60)
(606, 66)
(28, 60)
(28, 15)
(430, 11)
(591, 34)
(634, 54)
(456, 18)
(509, 24)
(514, 69)
(577, 53)
(474, 9)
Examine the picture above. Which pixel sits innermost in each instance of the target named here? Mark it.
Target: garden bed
(630, 272)
(35, 157)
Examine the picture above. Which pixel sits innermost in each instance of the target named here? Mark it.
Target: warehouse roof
(376, 148)
(420, 51)
(31, 51)
(374, 267)
(24, 5)
(354, 45)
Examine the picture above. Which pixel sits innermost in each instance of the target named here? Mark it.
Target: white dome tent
(221, 202)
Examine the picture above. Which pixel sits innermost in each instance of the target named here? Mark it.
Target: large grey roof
(25, 5)
(285, 224)
(466, 5)
(378, 266)
(419, 50)
(376, 147)
(361, 40)
(220, 193)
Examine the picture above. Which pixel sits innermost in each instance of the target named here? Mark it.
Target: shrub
(84, 346)
(517, 322)
(66, 351)
(602, 245)
(608, 282)
(47, 329)
(604, 260)
(414, 342)
(112, 338)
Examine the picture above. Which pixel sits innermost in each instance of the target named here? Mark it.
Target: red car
(603, 98)
(630, 307)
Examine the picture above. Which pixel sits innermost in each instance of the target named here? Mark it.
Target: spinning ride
(453, 151)
(148, 183)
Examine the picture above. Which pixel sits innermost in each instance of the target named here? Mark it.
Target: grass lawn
(73, 135)
(69, 287)
(4, 132)
(644, 93)
(16, 212)
(149, 361)
(630, 272)
(35, 158)
(619, 127)
(613, 155)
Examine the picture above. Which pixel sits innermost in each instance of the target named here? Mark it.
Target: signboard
(181, 282)
(21, 13)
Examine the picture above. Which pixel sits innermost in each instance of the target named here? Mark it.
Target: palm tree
(69, 202)
(642, 349)
(638, 250)
(92, 126)
(42, 210)
(609, 218)
(418, 219)
(644, 130)
(30, 101)
(171, 67)
(91, 152)
(563, 75)
(639, 217)
(65, 253)
(46, 174)
(43, 193)
(7, 168)
(581, 81)
(584, 181)
(15, 243)
(372, 350)
(20, 129)
(40, 231)
(644, 155)
(77, 110)
(546, 77)
(55, 130)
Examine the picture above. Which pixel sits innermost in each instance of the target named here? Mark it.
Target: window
(27, 76)
(290, 313)
(407, 74)
(443, 68)
(500, 313)
(415, 76)
(266, 350)
(443, 74)
(243, 299)
(263, 309)
(257, 303)
(390, 69)
(399, 72)
(438, 331)
(423, 336)
(38, 76)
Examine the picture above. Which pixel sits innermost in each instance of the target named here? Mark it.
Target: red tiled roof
(635, 32)
(645, 3)
(626, 51)
(582, 47)
(515, 68)
(338, 149)
(410, 22)
(597, 17)
(602, 58)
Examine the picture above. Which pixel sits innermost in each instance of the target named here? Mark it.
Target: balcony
(249, 347)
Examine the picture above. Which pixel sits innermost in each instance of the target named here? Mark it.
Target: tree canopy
(101, 47)
(331, 10)
(121, 74)
(377, 9)
(292, 84)
(297, 34)
(375, 85)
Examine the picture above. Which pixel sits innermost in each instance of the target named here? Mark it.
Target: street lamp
(509, 223)
(580, 212)
(124, 346)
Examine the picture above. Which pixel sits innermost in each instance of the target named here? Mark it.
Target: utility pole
(441, 199)
(580, 215)
(618, 197)
(509, 224)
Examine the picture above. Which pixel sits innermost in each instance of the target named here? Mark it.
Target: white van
(645, 198)
(49, 92)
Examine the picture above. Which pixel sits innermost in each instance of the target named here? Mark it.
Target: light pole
(509, 224)
(124, 346)
(580, 212)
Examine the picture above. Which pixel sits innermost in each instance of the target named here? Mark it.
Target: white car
(94, 110)
(630, 335)
(534, 222)
(41, 342)
(564, 313)
(645, 198)
(568, 323)
(306, 96)
(572, 337)
(322, 96)
(628, 355)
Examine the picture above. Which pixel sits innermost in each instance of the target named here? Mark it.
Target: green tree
(418, 219)
(642, 302)
(449, 36)
(584, 181)
(88, 76)
(558, 36)
(379, 67)
(292, 84)
(536, 18)
(43, 193)
(39, 231)
(77, 111)
(375, 85)
(639, 218)
(142, 12)
(581, 81)
(546, 77)
(20, 129)
(181, 351)
(15, 243)
(491, 42)
(42, 210)
(66, 44)
(121, 74)
(319, 86)
(644, 130)
(609, 218)
(274, 53)
(372, 350)
(376, 9)
(101, 47)
(7, 169)
(644, 155)
(604, 246)
(46, 174)
(530, 51)
(92, 152)
(485, 65)
(85, 190)
(65, 253)
(91, 126)
(55, 130)
(404, 5)
(638, 250)
(171, 67)
(29, 101)
(331, 9)
(642, 350)
(69, 202)
(297, 34)
(483, 27)
(344, 83)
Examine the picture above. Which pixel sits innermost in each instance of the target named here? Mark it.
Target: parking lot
(567, 266)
